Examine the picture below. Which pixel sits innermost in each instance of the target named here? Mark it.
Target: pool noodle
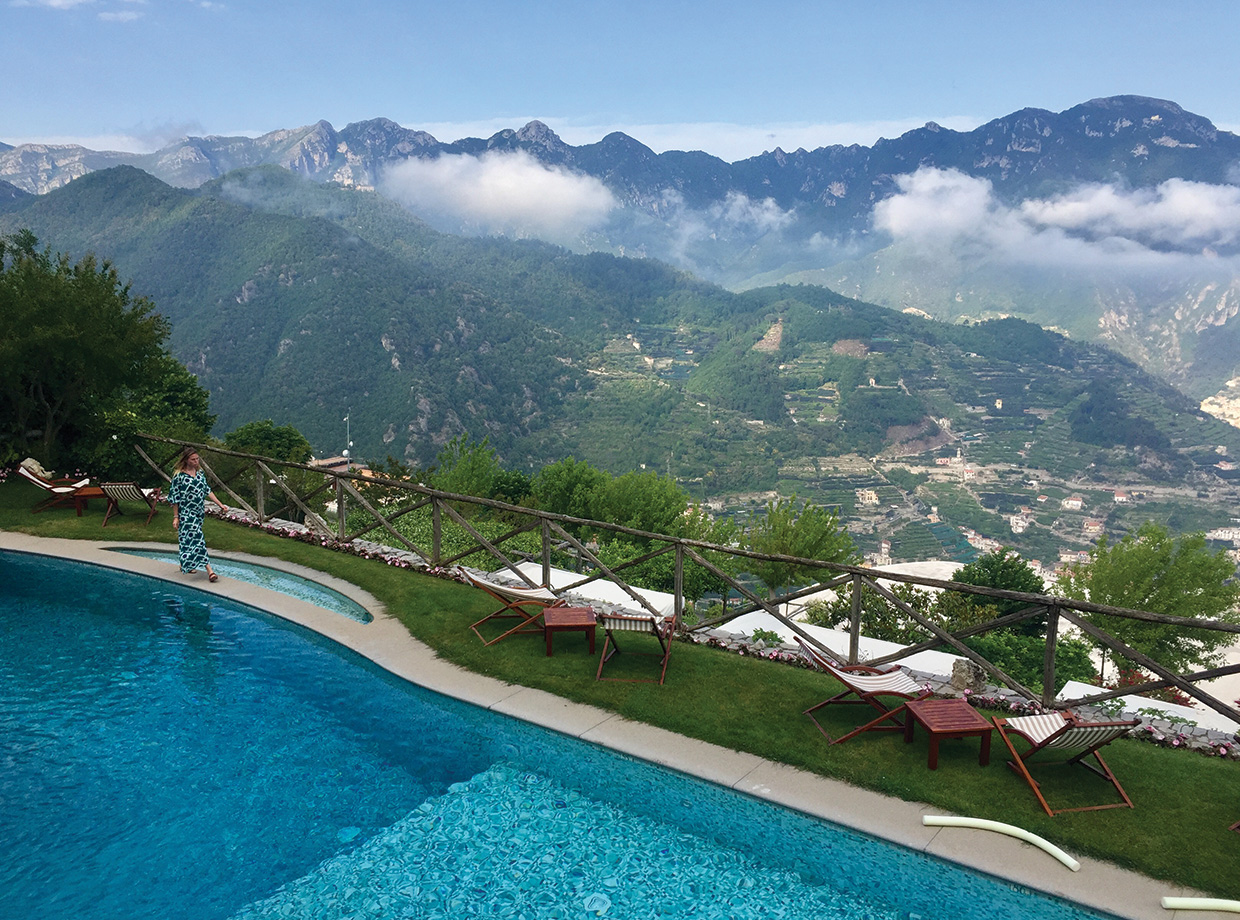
(999, 827)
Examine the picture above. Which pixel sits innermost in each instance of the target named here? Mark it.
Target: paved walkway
(386, 642)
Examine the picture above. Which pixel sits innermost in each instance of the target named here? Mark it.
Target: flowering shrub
(1017, 705)
(1131, 676)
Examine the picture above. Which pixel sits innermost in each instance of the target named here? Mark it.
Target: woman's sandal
(213, 577)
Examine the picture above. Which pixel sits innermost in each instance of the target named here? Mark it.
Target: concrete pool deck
(386, 642)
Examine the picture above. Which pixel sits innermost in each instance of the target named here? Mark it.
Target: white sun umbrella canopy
(601, 592)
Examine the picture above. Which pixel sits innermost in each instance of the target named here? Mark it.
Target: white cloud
(503, 193)
(1178, 213)
(52, 4)
(140, 138)
(122, 16)
(740, 210)
(1095, 225)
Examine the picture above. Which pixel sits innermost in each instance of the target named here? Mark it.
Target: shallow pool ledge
(385, 641)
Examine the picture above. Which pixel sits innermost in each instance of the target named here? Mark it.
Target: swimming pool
(267, 577)
(169, 755)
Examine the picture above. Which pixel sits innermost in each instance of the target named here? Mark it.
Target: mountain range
(309, 302)
(1114, 220)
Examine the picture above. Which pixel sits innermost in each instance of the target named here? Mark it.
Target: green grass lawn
(1185, 801)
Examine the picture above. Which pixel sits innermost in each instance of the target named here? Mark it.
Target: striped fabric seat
(896, 681)
(630, 623)
(871, 686)
(524, 604)
(1037, 729)
(661, 628)
(1061, 738)
(117, 492)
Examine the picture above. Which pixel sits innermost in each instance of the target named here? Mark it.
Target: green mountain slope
(297, 319)
(302, 302)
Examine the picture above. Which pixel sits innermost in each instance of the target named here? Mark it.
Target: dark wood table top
(568, 616)
(950, 715)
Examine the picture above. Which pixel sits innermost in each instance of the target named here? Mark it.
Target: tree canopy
(265, 438)
(1003, 569)
(82, 359)
(1153, 571)
(791, 529)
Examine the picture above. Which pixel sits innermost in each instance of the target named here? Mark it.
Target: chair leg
(1018, 764)
(527, 620)
(873, 723)
(667, 655)
(841, 698)
(608, 642)
(114, 508)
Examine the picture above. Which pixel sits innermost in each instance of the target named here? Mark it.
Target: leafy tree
(173, 404)
(265, 439)
(791, 529)
(466, 467)
(512, 486)
(570, 486)
(1003, 569)
(73, 341)
(643, 501)
(1153, 571)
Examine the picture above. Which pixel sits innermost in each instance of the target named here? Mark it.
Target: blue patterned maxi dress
(189, 493)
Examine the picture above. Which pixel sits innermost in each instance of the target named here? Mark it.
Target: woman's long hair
(179, 466)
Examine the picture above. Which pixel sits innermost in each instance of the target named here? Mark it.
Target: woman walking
(188, 497)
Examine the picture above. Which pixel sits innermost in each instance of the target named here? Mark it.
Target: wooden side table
(948, 719)
(568, 619)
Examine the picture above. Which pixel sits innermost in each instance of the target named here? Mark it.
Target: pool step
(508, 842)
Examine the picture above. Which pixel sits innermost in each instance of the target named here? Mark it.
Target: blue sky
(733, 79)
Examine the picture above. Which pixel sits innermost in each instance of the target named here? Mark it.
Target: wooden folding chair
(866, 686)
(61, 493)
(117, 492)
(515, 602)
(662, 628)
(1061, 739)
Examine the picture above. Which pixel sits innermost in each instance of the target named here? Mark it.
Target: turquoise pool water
(275, 579)
(166, 755)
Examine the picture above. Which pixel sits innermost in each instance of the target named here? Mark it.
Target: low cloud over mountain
(505, 193)
(1094, 226)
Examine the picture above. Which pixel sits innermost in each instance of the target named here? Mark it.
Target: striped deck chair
(117, 492)
(1057, 738)
(662, 628)
(60, 493)
(524, 604)
(885, 691)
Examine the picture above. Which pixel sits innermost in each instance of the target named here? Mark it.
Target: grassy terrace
(1184, 801)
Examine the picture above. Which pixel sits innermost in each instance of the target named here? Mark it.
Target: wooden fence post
(341, 530)
(260, 493)
(1048, 659)
(678, 584)
(436, 533)
(854, 626)
(545, 530)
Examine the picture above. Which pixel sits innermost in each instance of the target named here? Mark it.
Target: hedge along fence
(254, 484)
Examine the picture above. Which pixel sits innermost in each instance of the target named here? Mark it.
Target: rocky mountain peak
(538, 134)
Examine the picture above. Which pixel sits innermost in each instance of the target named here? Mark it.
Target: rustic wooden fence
(268, 488)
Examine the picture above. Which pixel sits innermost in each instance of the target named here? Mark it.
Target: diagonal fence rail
(374, 505)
